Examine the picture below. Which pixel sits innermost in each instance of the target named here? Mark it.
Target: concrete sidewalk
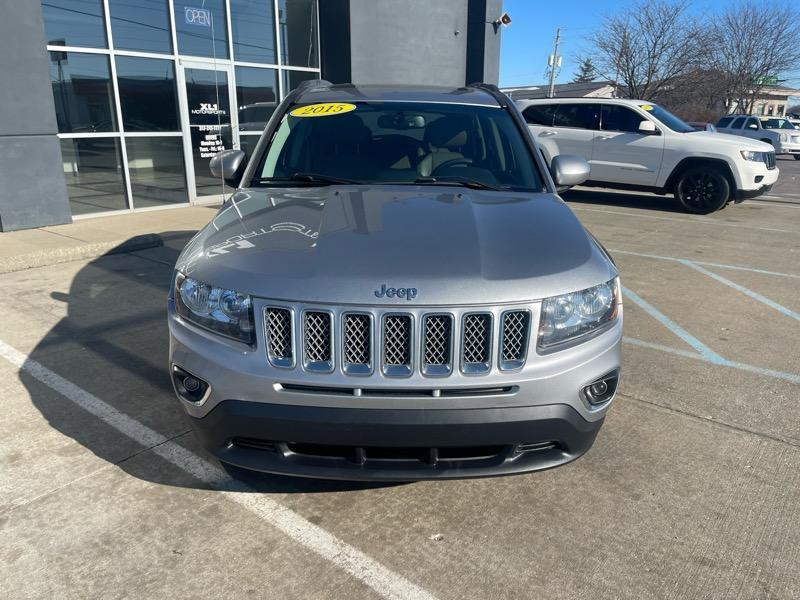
(88, 238)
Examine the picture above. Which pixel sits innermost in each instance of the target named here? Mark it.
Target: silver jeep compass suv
(395, 292)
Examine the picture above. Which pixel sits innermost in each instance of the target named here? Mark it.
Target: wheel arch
(689, 163)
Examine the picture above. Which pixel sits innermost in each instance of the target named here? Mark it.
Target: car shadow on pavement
(113, 343)
(604, 197)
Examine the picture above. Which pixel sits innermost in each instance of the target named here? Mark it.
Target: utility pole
(554, 61)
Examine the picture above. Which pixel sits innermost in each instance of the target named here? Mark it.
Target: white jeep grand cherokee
(633, 144)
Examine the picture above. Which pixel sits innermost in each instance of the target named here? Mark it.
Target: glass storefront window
(93, 174)
(247, 143)
(253, 26)
(298, 23)
(140, 25)
(156, 171)
(257, 97)
(209, 125)
(201, 28)
(291, 79)
(82, 92)
(148, 94)
(74, 23)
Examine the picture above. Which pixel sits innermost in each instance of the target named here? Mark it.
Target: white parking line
(693, 220)
(746, 291)
(384, 581)
(707, 264)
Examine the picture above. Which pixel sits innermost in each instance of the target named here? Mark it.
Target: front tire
(702, 190)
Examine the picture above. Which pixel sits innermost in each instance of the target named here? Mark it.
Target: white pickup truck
(634, 144)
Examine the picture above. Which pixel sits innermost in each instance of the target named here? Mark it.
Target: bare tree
(647, 47)
(752, 42)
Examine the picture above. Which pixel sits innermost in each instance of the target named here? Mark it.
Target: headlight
(784, 137)
(754, 156)
(224, 311)
(571, 316)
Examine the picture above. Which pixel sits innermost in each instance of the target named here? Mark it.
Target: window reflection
(298, 21)
(93, 174)
(201, 29)
(74, 23)
(148, 94)
(257, 97)
(291, 79)
(253, 26)
(82, 92)
(140, 25)
(156, 170)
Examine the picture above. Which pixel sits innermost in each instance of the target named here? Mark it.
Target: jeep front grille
(357, 346)
(393, 342)
(278, 329)
(437, 345)
(317, 341)
(476, 344)
(769, 159)
(514, 339)
(396, 345)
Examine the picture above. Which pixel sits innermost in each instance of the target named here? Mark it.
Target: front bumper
(748, 194)
(787, 148)
(285, 421)
(394, 445)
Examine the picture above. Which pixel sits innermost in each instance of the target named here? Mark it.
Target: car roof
(624, 101)
(398, 93)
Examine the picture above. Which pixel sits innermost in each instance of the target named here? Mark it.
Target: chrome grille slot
(357, 350)
(437, 345)
(278, 331)
(396, 348)
(317, 341)
(769, 159)
(476, 343)
(514, 339)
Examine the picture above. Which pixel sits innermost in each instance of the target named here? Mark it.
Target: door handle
(547, 133)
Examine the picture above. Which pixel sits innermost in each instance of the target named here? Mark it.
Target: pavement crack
(724, 424)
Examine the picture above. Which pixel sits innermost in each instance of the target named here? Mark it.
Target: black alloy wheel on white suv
(702, 190)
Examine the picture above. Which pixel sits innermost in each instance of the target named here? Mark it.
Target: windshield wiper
(457, 180)
(316, 178)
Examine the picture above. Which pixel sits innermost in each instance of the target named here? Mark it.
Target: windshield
(668, 119)
(399, 142)
(776, 124)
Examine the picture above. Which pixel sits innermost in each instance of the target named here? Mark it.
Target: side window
(620, 118)
(539, 114)
(581, 116)
(724, 121)
(737, 124)
(751, 123)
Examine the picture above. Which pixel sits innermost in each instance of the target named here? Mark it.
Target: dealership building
(113, 106)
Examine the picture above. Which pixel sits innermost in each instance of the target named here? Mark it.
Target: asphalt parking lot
(692, 489)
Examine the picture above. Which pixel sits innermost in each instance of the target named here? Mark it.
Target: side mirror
(228, 164)
(752, 126)
(647, 127)
(568, 170)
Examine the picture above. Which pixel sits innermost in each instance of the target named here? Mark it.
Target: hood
(741, 142)
(341, 244)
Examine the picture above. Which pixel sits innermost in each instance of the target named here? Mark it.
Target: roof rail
(308, 85)
(493, 91)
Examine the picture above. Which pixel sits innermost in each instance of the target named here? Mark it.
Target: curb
(93, 250)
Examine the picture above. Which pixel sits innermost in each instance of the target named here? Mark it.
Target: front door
(210, 123)
(623, 154)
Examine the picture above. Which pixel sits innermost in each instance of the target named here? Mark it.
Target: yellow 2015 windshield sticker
(646, 107)
(325, 109)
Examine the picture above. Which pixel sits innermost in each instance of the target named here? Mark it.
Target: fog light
(602, 389)
(187, 386)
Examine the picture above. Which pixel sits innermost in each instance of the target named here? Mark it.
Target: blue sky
(528, 41)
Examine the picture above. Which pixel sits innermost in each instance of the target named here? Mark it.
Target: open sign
(197, 16)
